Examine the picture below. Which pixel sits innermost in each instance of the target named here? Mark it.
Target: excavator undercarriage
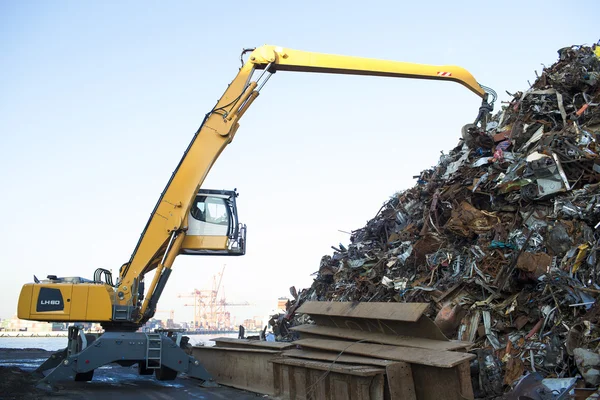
(161, 353)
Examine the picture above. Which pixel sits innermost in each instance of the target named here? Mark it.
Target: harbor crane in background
(187, 219)
(210, 311)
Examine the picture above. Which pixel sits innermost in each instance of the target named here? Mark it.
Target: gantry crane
(210, 312)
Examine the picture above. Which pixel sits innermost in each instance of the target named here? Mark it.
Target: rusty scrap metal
(501, 236)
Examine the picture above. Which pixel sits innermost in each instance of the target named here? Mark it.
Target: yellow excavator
(187, 219)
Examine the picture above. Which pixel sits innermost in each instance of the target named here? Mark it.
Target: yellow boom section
(305, 61)
(162, 238)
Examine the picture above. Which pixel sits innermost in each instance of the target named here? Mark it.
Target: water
(58, 343)
(46, 343)
(198, 340)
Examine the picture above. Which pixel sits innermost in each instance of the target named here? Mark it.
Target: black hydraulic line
(162, 281)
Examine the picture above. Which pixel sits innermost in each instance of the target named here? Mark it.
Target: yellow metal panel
(82, 302)
(285, 59)
(62, 315)
(99, 303)
(24, 307)
(79, 302)
(204, 243)
(65, 290)
(215, 133)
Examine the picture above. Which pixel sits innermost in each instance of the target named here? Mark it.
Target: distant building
(59, 326)
(15, 324)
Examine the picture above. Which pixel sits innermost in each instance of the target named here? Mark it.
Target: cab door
(212, 225)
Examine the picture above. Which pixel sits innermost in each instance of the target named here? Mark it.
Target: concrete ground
(110, 381)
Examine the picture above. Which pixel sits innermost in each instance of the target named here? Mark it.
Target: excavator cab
(212, 225)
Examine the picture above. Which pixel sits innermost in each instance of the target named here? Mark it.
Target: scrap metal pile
(501, 237)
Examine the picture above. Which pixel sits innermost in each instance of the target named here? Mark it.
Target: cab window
(212, 216)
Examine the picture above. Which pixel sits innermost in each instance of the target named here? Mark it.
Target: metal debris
(501, 237)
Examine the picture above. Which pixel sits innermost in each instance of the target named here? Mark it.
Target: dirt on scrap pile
(16, 383)
(501, 238)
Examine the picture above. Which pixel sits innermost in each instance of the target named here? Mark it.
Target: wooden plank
(424, 328)
(409, 312)
(400, 381)
(248, 369)
(435, 358)
(278, 380)
(306, 380)
(436, 383)
(240, 349)
(464, 380)
(356, 370)
(584, 393)
(335, 357)
(377, 388)
(245, 343)
(382, 338)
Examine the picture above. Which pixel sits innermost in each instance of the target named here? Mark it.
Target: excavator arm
(282, 59)
(169, 231)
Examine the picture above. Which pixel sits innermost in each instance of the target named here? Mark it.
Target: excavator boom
(187, 219)
(191, 220)
(304, 61)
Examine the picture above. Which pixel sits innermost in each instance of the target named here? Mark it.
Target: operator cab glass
(213, 227)
(210, 217)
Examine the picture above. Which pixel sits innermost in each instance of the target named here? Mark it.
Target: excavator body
(189, 220)
(213, 229)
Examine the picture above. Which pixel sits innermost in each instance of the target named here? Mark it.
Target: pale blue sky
(98, 101)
